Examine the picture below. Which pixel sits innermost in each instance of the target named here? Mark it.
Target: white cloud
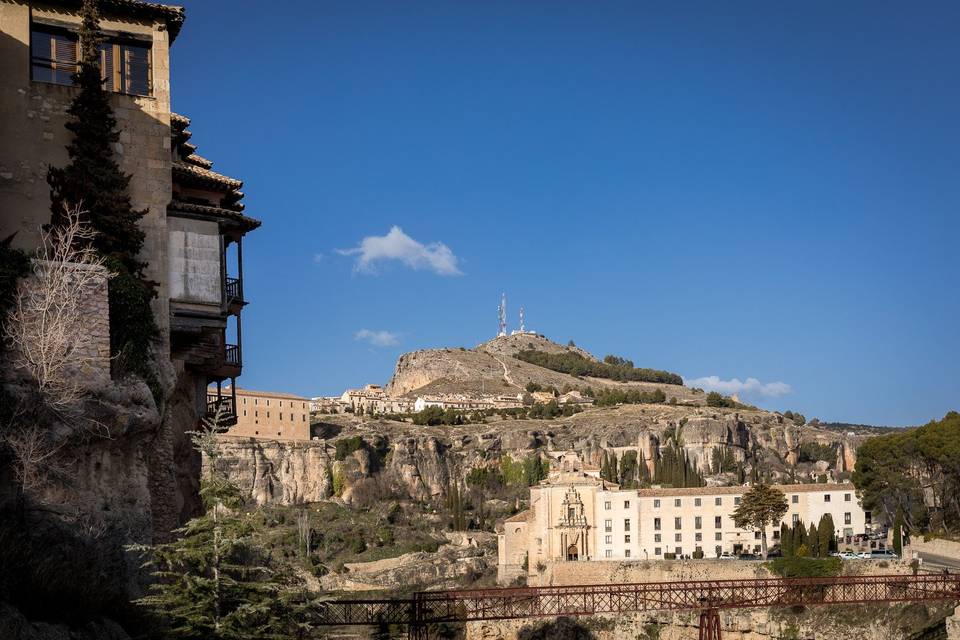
(397, 245)
(317, 258)
(750, 386)
(377, 338)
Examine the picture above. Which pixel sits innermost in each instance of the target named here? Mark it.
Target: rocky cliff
(422, 462)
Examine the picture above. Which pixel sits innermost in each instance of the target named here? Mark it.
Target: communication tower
(502, 315)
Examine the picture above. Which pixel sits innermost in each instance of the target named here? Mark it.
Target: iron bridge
(427, 609)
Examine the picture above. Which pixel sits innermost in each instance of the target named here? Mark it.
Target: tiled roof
(717, 491)
(173, 16)
(520, 517)
(198, 160)
(181, 122)
(206, 174)
(266, 394)
(216, 212)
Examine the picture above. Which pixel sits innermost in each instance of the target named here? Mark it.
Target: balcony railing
(234, 291)
(232, 355)
(221, 410)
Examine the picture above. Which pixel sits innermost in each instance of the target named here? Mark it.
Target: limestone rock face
(280, 472)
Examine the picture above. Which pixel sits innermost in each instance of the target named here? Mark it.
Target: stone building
(270, 416)
(575, 516)
(194, 221)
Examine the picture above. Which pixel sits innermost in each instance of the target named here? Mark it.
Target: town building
(327, 405)
(270, 415)
(194, 222)
(576, 516)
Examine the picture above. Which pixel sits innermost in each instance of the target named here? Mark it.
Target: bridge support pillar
(710, 625)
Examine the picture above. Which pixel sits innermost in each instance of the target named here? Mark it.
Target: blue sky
(740, 190)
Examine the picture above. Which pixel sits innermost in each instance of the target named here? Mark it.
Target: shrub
(346, 446)
(800, 567)
(613, 368)
(669, 556)
(698, 554)
(357, 545)
(714, 399)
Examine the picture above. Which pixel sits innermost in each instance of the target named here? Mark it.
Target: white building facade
(575, 516)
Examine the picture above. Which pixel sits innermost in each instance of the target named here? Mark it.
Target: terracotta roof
(716, 491)
(181, 122)
(200, 161)
(172, 15)
(206, 175)
(266, 394)
(519, 517)
(216, 212)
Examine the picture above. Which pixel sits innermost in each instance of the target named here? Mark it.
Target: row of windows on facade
(303, 405)
(256, 414)
(698, 502)
(698, 522)
(124, 65)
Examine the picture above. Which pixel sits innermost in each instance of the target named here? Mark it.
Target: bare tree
(46, 329)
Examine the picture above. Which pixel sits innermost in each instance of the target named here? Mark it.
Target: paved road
(934, 561)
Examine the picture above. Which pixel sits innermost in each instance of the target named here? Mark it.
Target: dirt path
(506, 373)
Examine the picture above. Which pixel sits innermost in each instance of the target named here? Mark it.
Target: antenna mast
(502, 315)
(523, 328)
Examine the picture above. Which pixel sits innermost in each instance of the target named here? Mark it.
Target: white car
(850, 555)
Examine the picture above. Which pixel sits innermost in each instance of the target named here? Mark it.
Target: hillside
(493, 368)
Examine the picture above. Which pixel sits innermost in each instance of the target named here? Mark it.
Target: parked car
(748, 556)
(849, 555)
(884, 554)
(726, 555)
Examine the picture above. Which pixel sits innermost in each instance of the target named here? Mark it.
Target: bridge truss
(429, 608)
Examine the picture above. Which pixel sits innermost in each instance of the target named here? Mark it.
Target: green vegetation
(815, 451)
(611, 397)
(894, 471)
(761, 506)
(714, 399)
(796, 417)
(673, 469)
(613, 367)
(800, 567)
(93, 180)
(346, 446)
(722, 461)
(815, 541)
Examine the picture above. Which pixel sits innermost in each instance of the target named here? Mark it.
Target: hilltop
(497, 367)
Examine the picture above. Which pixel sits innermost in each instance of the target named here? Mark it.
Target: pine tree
(213, 581)
(93, 181)
(614, 471)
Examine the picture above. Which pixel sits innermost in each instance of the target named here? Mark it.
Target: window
(626, 539)
(54, 55)
(656, 503)
(697, 502)
(304, 416)
(268, 414)
(626, 504)
(736, 500)
(606, 505)
(795, 519)
(608, 525)
(677, 502)
(656, 524)
(608, 539)
(756, 535)
(776, 534)
(698, 537)
(678, 551)
(678, 537)
(281, 415)
(291, 417)
(718, 536)
(718, 501)
(609, 553)
(656, 537)
(268, 402)
(846, 497)
(826, 497)
(244, 413)
(626, 554)
(256, 414)
(254, 401)
(847, 518)
(717, 522)
(281, 404)
(656, 551)
(794, 499)
(626, 524)
(677, 523)
(697, 522)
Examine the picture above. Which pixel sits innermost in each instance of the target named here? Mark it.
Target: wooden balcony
(233, 295)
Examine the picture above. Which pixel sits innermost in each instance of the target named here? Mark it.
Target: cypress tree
(614, 472)
(826, 536)
(898, 532)
(93, 182)
(786, 540)
(813, 541)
